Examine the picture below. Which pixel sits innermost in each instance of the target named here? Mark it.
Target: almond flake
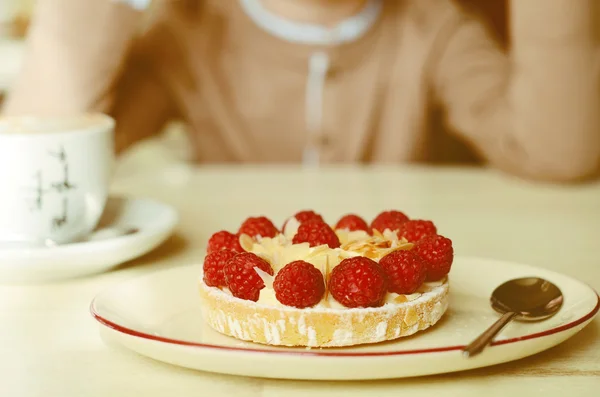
(266, 277)
(383, 244)
(390, 235)
(412, 297)
(377, 233)
(318, 250)
(356, 245)
(401, 248)
(276, 263)
(327, 277)
(291, 228)
(246, 242)
(400, 299)
(410, 316)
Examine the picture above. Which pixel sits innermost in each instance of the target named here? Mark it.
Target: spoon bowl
(531, 298)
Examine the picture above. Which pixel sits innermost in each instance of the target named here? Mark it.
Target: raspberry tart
(316, 285)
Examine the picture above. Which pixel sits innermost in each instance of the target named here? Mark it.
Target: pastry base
(320, 326)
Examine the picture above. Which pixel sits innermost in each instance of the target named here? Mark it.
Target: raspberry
(260, 226)
(242, 279)
(388, 220)
(316, 233)
(213, 267)
(224, 240)
(358, 282)
(305, 216)
(352, 222)
(416, 229)
(308, 215)
(405, 271)
(299, 284)
(437, 254)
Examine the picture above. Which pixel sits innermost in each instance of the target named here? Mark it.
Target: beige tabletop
(49, 344)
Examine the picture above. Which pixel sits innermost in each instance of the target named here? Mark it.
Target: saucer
(159, 315)
(129, 228)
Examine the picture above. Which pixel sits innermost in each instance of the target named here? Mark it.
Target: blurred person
(325, 81)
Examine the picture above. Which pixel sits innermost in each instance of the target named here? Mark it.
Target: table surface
(49, 344)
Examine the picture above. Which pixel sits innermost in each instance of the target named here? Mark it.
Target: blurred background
(14, 19)
(15, 16)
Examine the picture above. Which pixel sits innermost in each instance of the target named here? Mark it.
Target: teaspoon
(523, 299)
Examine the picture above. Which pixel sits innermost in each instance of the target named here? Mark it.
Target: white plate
(152, 221)
(158, 315)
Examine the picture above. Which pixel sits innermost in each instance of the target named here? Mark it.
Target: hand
(93, 38)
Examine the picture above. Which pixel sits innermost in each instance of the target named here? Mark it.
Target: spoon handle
(486, 337)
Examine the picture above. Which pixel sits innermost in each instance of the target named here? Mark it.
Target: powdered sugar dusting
(234, 326)
(312, 337)
(281, 325)
(302, 325)
(381, 330)
(275, 334)
(343, 336)
(267, 330)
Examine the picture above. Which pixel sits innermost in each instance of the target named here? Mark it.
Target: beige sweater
(243, 91)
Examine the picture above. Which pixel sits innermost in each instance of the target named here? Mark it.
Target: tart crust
(320, 326)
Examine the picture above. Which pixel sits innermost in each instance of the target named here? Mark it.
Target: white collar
(304, 33)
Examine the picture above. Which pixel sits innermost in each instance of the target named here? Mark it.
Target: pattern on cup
(60, 187)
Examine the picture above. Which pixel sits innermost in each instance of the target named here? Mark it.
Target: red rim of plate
(322, 353)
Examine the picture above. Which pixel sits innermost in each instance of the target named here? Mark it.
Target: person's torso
(244, 92)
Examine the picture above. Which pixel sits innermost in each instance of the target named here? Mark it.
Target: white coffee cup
(54, 176)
